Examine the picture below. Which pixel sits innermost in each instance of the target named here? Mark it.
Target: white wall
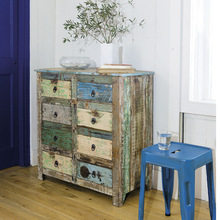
(156, 48)
(42, 54)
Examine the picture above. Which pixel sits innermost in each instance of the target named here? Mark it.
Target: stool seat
(185, 158)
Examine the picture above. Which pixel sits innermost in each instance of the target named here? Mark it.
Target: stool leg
(142, 190)
(211, 190)
(167, 182)
(187, 192)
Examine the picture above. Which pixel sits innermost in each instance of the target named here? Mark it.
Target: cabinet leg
(118, 201)
(41, 176)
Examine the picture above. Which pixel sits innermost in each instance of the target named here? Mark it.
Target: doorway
(14, 83)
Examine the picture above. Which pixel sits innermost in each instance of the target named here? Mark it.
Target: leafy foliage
(101, 20)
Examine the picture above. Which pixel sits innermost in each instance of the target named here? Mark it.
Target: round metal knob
(93, 147)
(93, 93)
(55, 138)
(84, 171)
(55, 114)
(93, 121)
(54, 89)
(56, 163)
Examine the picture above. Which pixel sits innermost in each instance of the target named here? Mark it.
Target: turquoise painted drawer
(94, 92)
(93, 173)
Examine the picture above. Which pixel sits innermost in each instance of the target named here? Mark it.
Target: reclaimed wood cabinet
(92, 128)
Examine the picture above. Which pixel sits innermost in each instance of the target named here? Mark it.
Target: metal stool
(186, 159)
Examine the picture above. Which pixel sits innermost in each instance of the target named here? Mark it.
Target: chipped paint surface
(94, 92)
(93, 173)
(57, 88)
(58, 163)
(106, 122)
(103, 120)
(94, 147)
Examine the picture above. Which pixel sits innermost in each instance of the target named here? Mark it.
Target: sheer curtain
(202, 75)
(198, 85)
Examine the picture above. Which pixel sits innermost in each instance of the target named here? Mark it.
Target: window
(198, 75)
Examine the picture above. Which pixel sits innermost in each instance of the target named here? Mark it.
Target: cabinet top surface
(91, 71)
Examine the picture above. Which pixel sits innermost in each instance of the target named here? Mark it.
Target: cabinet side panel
(39, 127)
(141, 125)
(126, 135)
(117, 150)
(149, 125)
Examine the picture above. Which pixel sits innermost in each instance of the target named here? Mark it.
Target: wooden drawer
(96, 174)
(94, 119)
(57, 135)
(94, 92)
(58, 163)
(56, 88)
(94, 147)
(56, 113)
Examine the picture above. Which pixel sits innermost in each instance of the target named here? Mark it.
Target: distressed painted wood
(58, 163)
(56, 150)
(94, 79)
(95, 106)
(94, 147)
(74, 127)
(122, 109)
(92, 72)
(56, 88)
(94, 92)
(58, 175)
(95, 174)
(51, 76)
(56, 113)
(56, 135)
(127, 135)
(55, 101)
(117, 141)
(98, 161)
(41, 176)
(94, 133)
(95, 119)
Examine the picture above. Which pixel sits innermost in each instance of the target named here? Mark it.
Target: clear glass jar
(76, 62)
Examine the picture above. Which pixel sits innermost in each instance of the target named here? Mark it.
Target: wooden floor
(23, 196)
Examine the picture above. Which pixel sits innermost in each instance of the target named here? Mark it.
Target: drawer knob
(93, 93)
(55, 114)
(93, 121)
(55, 138)
(54, 89)
(93, 174)
(84, 171)
(56, 163)
(93, 147)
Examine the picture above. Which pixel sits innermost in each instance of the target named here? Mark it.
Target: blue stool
(186, 159)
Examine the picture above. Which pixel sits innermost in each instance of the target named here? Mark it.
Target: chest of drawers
(92, 128)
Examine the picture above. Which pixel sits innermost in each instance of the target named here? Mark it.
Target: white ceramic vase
(109, 54)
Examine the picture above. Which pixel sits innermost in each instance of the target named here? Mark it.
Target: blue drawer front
(94, 92)
(93, 173)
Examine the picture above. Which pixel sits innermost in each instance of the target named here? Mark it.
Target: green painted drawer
(57, 162)
(95, 174)
(57, 135)
(56, 88)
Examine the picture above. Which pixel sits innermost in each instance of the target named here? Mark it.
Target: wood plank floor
(23, 196)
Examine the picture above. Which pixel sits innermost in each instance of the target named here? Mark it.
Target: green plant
(101, 20)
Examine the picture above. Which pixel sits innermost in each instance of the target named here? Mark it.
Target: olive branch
(100, 20)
